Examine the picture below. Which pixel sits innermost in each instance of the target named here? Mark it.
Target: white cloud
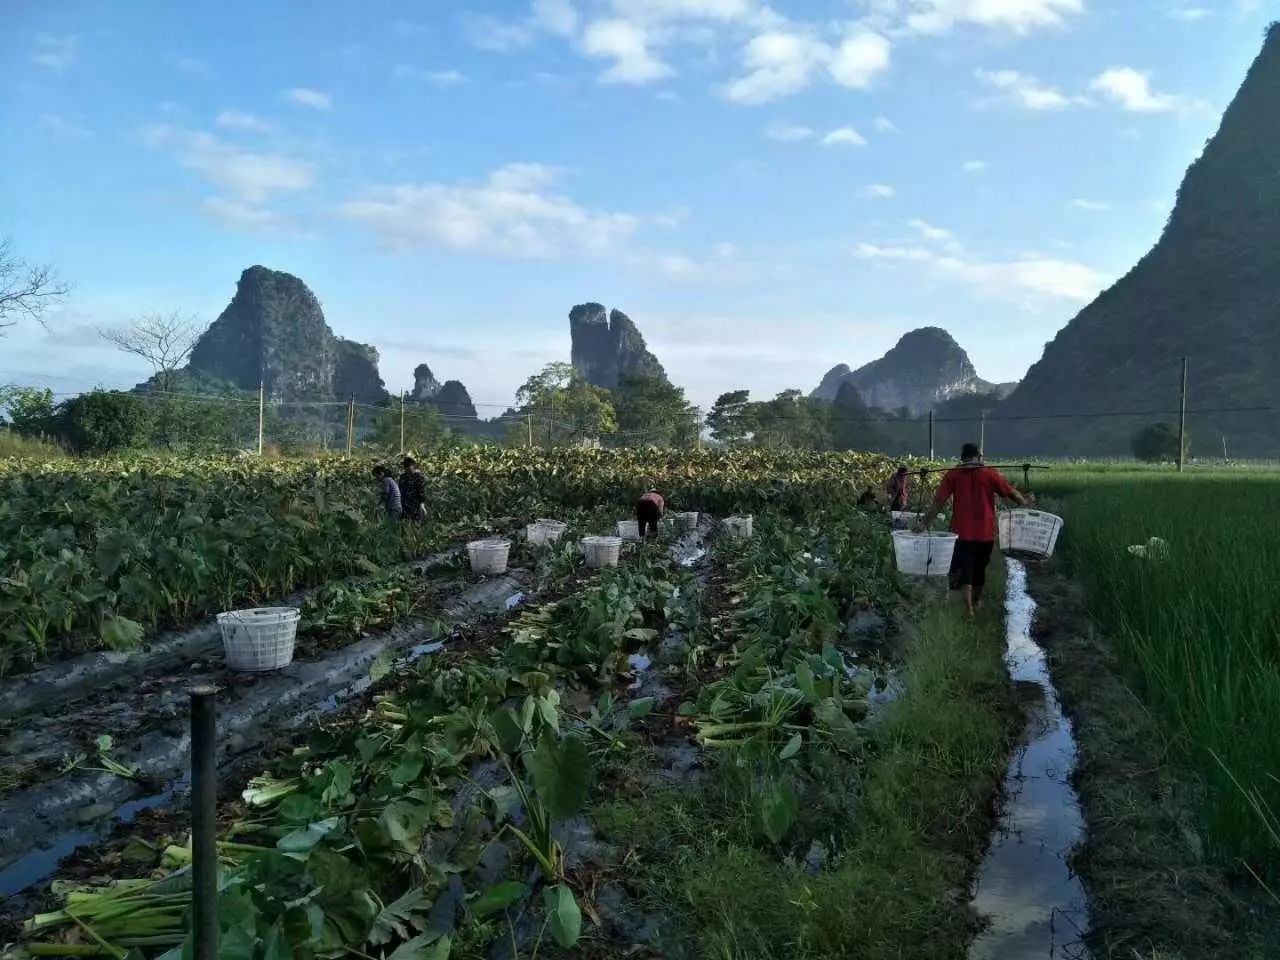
(974, 166)
(1187, 11)
(193, 66)
(724, 250)
(859, 59)
(409, 28)
(1032, 276)
(778, 63)
(67, 128)
(1093, 206)
(441, 78)
(499, 36)
(677, 265)
(1022, 91)
(55, 52)
(1131, 89)
(245, 216)
(879, 191)
(874, 251)
(930, 232)
(1016, 16)
(558, 17)
(785, 132)
(885, 125)
(667, 10)
(672, 219)
(247, 175)
(844, 137)
(240, 120)
(306, 97)
(513, 212)
(627, 44)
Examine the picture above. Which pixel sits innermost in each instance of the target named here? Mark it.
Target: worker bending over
(649, 509)
(973, 486)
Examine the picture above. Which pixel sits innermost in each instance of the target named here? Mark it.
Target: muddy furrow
(44, 823)
(50, 687)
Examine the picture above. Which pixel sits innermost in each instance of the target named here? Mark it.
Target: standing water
(1034, 904)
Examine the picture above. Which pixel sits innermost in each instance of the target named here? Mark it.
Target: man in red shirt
(649, 509)
(973, 486)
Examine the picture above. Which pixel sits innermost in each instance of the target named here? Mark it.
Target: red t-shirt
(974, 489)
(655, 499)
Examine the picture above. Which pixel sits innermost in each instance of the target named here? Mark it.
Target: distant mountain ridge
(924, 368)
(1209, 290)
(274, 332)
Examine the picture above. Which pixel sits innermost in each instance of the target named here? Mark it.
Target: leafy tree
(1158, 441)
(27, 410)
(651, 411)
(565, 408)
(26, 289)
(791, 420)
(424, 429)
(730, 418)
(103, 421)
(851, 422)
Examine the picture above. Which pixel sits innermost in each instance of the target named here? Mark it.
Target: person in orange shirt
(973, 486)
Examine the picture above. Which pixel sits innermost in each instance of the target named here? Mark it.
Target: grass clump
(1196, 633)
(900, 826)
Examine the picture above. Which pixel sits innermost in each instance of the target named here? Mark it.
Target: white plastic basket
(629, 529)
(1031, 532)
(488, 556)
(738, 526)
(260, 638)
(601, 551)
(544, 531)
(687, 520)
(923, 554)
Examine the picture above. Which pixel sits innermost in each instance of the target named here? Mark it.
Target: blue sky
(767, 190)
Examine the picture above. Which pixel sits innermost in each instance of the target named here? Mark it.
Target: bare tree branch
(164, 341)
(26, 289)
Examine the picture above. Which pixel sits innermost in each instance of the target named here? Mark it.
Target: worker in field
(413, 491)
(973, 488)
(390, 492)
(649, 510)
(899, 489)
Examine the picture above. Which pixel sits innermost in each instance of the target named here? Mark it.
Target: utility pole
(402, 423)
(930, 434)
(529, 420)
(261, 414)
(982, 432)
(698, 417)
(351, 423)
(1182, 419)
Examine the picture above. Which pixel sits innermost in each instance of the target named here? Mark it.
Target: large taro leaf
(561, 774)
(779, 806)
(564, 918)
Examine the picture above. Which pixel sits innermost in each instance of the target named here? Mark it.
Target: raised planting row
(74, 759)
(96, 553)
(624, 768)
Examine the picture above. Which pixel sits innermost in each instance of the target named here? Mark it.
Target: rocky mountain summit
(608, 347)
(925, 368)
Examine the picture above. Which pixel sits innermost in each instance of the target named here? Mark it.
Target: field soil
(1153, 894)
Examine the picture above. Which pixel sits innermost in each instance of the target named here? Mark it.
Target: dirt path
(1152, 895)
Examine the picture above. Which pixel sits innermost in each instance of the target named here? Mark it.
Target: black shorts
(969, 563)
(647, 516)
